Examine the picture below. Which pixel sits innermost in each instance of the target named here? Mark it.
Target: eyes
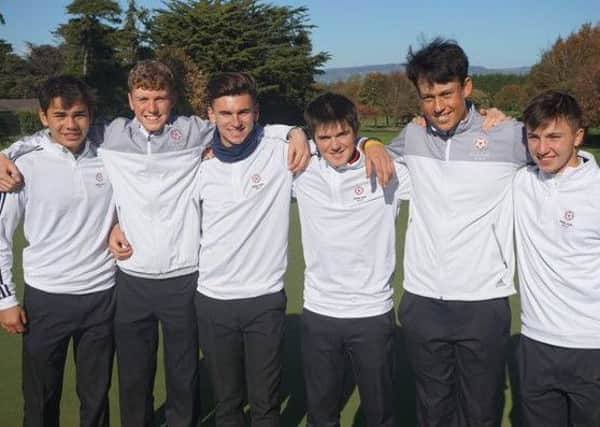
(447, 95)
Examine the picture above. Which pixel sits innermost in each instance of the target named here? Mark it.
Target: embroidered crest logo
(567, 219)
(569, 215)
(480, 144)
(175, 134)
(359, 193)
(257, 182)
(100, 180)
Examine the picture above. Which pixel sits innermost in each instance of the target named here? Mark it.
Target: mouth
(71, 136)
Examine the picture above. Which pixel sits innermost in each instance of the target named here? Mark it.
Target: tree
(131, 40)
(87, 35)
(511, 98)
(191, 81)
(372, 94)
(271, 42)
(90, 52)
(572, 65)
(13, 71)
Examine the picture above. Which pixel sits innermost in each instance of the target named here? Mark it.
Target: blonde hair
(151, 75)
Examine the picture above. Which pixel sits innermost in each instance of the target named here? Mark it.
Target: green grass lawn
(293, 408)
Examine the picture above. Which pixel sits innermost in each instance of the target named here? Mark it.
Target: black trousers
(141, 305)
(458, 352)
(369, 343)
(242, 343)
(53, 320)
(559, 386)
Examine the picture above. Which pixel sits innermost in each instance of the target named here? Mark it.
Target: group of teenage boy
(197, 213)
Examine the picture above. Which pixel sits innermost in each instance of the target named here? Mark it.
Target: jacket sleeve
(12, 206)
(397, 146)
(404, 185)
(21, 147)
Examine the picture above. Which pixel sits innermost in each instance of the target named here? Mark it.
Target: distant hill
(334, 74)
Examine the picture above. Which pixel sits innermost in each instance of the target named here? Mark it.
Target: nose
(70, 122)
(543, 146)
(235, 120)
(153, 106)
(438, 105)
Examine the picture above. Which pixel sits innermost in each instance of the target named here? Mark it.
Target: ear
(211, 115)
(579, 134)
(43, 118)
(130, 98)
(467, 87)
(256, 112)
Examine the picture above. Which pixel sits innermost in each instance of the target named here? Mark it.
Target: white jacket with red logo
(67, 208)
(557, 223)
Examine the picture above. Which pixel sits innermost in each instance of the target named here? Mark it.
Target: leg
(542, 402)
(583, 388)
(263, 343)
(45, 344)
(371, 343)
(94, 351)
(221, 342)
(482, 331)
(323, 362)
(431, 354)
(180, 335)
(136, 339)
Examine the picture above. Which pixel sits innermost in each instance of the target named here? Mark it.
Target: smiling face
(234, 116)
(152, 107)
(68, 125)
(335, 142)
(553, 145)
(444, 104)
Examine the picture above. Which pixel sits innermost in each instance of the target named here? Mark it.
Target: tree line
(100, 42)
(572, 64)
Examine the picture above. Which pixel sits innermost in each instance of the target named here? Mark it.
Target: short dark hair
(151, 75)
(551, 105)
(440, 61)
(328, 108)
(69, 89)
(229, 84)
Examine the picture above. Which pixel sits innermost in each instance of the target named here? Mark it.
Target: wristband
(372, 141)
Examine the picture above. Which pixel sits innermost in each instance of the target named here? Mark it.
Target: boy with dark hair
(240, 304)
(458, 260)
(557, 205)
(68, 212)
(348, 236)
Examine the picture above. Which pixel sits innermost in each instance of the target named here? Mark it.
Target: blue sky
(510, 33)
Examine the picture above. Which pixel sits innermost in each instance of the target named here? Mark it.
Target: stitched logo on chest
(479, 149)
(100, 182)
(176, 137)
(567, 219)
(257, 181)
(359, 192)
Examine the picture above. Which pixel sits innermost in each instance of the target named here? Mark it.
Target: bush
(29, 122)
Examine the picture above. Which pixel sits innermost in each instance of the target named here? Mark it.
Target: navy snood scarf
(237, 152)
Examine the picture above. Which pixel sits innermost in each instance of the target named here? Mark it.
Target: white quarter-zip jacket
(348, 236)
(67, 210)
(154, 179)
(558, 244)
(153, 176)
(459, 239)
(245, 221)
